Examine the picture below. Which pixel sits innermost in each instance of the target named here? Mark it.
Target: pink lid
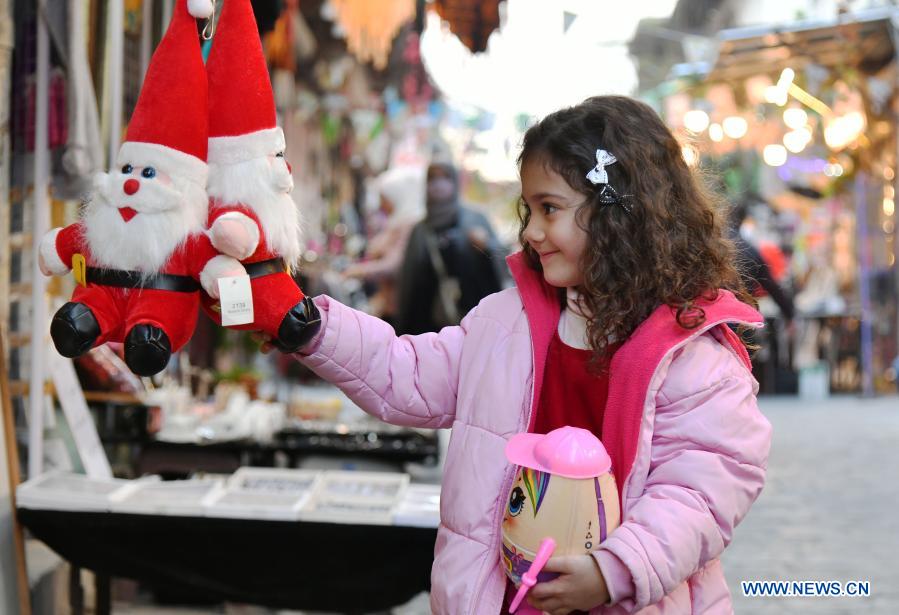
(567, 451)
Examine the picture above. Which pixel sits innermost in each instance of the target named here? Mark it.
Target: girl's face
(552, 230)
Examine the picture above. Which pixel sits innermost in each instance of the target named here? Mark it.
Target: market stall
(799, 124)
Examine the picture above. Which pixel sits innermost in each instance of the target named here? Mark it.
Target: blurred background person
(760, 280)
(756, 271)
(401, 206)
(453, 258)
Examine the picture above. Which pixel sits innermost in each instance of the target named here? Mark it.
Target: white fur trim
(222, 242)
(201, 9)
(50, 256)
(229, 150)
(167, 159)
(220, 266)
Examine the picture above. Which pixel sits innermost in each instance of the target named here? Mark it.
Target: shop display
(262, 493)
(74, 492)
(278, 494)
(139, 253)
(360, 497)
(252, 216)
(564, 489)
(420, 507)
(183, 498)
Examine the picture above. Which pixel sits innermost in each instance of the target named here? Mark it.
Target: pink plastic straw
(529, 578)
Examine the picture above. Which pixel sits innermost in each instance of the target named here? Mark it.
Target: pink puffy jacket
(688, 444)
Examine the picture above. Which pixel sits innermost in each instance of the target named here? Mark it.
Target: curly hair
(668, 246)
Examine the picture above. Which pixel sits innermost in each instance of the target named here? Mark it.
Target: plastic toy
(564, 490)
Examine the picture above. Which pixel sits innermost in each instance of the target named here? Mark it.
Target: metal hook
(209, 28)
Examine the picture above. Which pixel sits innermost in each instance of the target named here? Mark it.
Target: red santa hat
(169, 126)
(242, 119)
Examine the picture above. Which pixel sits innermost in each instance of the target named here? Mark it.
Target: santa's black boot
(147, 350)
(299, 326)
(74, 329)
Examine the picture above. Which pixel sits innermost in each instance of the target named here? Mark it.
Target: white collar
(573, 323)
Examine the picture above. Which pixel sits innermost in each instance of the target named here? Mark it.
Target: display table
(306, 565)
(183, 458)
(346, 542)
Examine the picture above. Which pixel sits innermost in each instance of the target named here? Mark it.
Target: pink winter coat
(688, 444)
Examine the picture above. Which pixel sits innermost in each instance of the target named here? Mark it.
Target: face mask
(441, 189)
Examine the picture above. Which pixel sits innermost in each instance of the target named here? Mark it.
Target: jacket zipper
(507, 481)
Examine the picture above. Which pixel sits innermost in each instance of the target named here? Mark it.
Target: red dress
(572, 394)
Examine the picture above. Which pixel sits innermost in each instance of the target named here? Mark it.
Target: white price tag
(236, 299)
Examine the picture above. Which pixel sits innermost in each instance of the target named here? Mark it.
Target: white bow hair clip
(598, 174)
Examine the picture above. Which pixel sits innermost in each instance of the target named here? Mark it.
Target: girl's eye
(279, 155)
(148, 172)
(127, 169)
(548, 208)
(516, 501)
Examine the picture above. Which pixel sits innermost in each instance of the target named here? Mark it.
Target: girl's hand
(580, 586)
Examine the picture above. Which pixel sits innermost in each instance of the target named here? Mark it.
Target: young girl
(619, 323)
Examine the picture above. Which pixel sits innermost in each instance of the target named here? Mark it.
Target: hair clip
(598, 174)
(609, 196)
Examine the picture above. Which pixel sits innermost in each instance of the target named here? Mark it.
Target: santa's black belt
(134, 279)
(257, 270)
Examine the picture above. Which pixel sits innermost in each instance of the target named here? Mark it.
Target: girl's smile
(552, 229)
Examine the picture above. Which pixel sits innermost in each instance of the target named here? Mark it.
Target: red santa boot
(252, 216)
(139, 253)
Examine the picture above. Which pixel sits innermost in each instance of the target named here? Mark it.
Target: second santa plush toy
(252, 216)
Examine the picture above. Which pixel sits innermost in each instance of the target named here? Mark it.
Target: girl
(619, 323)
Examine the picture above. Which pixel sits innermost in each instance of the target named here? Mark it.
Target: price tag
(236, 299)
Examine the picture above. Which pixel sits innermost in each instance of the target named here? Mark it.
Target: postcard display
(368, 498)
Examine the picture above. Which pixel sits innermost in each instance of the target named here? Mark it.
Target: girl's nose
(533, 234)
(131, 186)
(289, 168)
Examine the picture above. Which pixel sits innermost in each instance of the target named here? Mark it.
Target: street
(829, 509)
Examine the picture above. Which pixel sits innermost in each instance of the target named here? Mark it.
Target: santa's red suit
(274, 291)
(119, 300)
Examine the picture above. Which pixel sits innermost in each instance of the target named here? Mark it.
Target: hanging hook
(209, 28)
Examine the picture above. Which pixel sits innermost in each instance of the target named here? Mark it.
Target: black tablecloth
(278, 564)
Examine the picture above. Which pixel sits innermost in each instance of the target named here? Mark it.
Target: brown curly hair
(667, 246)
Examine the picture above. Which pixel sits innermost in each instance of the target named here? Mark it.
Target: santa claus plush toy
(252, 216)
(139, 253)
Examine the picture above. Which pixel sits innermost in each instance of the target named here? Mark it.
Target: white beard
(263, 185)
(167, 215)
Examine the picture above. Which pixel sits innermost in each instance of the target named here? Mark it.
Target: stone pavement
(830, 509)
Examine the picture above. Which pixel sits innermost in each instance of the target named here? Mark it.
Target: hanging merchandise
(57, 125)
(371, 25)
(252, 216)
(139, 253)
(84, 152)
(473, 21)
